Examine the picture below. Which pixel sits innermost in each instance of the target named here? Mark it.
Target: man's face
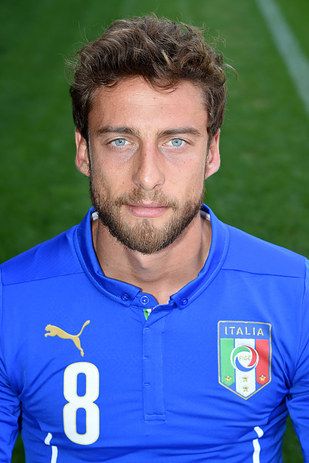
(147, 160)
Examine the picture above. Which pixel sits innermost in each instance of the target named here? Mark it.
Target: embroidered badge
(244, 354)
(53, 330)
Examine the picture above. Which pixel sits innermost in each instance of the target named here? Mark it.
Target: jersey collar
(128, 294)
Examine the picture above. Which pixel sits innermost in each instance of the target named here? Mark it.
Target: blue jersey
(93, 369)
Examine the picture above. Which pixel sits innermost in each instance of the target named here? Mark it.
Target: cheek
(193, 181)
(109, 181)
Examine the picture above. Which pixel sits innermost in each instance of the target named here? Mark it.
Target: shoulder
(251, 254)
(49, 259)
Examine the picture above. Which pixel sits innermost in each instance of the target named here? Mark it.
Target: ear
(82, 155)
(213, 156)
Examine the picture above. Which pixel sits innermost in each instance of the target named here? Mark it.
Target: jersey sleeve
(298, 402)
(9, 405)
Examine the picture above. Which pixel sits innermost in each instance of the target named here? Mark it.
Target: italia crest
(244, 356)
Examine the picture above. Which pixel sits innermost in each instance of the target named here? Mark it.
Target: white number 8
(85, 402)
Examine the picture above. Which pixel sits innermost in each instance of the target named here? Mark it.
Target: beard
(143, 237)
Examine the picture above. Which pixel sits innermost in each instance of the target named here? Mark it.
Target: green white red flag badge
(244, 356)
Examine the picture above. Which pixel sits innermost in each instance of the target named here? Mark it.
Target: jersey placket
(153, 358)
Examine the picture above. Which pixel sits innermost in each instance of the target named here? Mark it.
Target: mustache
(138, 197)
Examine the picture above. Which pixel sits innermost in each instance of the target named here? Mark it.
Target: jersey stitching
(43, 278)
(301, 324)
(2, 349)
(262, 273)
(1, 312)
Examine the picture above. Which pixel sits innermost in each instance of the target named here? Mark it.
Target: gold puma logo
(55, 331)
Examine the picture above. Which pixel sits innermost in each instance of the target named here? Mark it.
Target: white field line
(295, 60)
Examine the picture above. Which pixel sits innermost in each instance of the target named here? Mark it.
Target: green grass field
(262, 185)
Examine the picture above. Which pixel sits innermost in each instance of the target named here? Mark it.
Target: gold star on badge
(228, 378)
(262, 378)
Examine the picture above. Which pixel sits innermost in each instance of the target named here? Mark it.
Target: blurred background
(262, 185)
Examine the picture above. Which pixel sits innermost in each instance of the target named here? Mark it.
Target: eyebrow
(178, 130)
(130, 131)
(111, 129)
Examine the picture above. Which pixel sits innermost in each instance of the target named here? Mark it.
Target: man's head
(162, 51)
(148, 100)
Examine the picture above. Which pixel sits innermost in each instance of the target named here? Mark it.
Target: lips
(150, 210)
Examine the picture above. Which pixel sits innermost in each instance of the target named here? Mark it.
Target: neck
(160, 274)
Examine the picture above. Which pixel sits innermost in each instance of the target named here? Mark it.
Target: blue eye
(177, 142)
(119, 142)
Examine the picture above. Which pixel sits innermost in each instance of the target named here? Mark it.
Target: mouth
(147, 210)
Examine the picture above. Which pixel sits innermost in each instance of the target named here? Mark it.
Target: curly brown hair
(162, 51)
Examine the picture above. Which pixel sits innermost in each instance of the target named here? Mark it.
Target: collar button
(144, 300)
(125, 297)
(184, 301)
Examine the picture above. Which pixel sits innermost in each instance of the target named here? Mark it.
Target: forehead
(134, 101)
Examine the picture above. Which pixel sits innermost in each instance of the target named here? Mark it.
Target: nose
(148, 169)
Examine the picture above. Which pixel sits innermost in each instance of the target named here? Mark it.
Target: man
(152, 331)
